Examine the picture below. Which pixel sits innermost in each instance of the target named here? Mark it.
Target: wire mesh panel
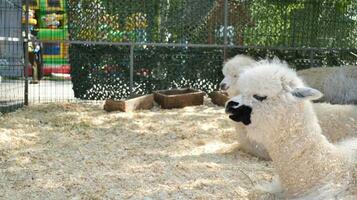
(158, 68)
(100, 71)
(182, 43)
(49, 70)
(98, 49)
(273, 23)
(301, 59)
(103, 71)
(51, 80)
(187, 21)
(268, 23)
(159, 21)
(11, 56)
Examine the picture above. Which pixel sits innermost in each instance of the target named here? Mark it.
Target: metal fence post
(26, 52)
(312, 58)
(225, 29)
(131, 69)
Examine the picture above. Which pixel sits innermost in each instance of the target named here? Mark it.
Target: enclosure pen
(120, 99)
(112, 52)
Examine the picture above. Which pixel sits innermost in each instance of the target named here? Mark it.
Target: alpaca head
(269, 94)
(232, 70)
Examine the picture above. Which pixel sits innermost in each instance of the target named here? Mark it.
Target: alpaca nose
(223, 86)
(231, 106)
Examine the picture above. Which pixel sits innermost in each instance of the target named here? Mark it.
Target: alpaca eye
(259, 98)
(235, 76)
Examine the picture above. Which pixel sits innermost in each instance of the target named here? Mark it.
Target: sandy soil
(77, 151)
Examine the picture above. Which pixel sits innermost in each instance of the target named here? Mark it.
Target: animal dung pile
(80, 151)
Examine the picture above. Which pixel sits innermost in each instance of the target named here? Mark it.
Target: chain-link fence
(114, 49)
(183, 43)
(11, 56)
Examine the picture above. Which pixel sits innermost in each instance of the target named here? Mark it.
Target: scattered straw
(79, 151)
(61, 151)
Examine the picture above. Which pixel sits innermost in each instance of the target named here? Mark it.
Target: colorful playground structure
(49, 22)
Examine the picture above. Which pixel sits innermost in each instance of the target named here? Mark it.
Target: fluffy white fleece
(231, 71)
(308, 165)
(334, 129)
(341, 87)
(232, 68)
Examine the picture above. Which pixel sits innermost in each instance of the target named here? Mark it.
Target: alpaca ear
(306, 93)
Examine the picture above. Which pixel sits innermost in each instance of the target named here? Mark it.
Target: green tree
(303, 23)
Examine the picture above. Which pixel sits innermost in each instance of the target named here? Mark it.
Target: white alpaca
(238, 64)
(341, 87)
(282, 119)
(231, 71)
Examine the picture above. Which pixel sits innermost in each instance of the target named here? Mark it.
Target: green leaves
(303, 23)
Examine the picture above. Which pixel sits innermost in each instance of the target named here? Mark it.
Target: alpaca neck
(302, 156)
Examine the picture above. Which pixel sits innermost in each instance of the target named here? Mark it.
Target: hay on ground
(61, 151)
(79, 151)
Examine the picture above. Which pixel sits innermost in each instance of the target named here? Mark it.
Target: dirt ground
(79, 151)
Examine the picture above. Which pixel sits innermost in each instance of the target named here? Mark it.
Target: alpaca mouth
(239, 113)
(238, 118)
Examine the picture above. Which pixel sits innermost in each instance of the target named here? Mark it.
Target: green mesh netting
(101, 72)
